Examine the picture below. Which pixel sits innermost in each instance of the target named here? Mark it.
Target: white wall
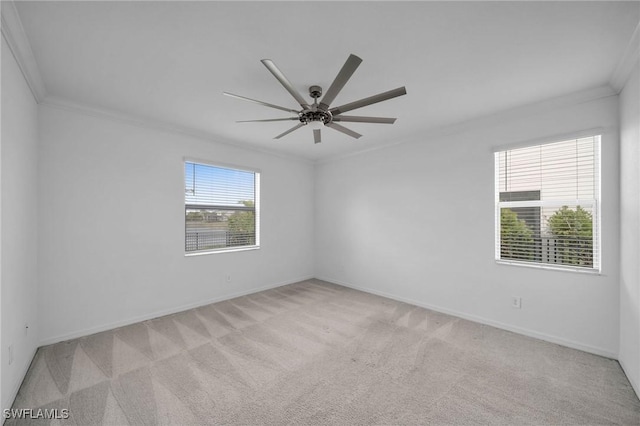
(19, 225)
(630, 224)
(416, 222)
(112, 225)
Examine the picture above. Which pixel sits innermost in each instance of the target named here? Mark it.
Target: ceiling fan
(317, 115)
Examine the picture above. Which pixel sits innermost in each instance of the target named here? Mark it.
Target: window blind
(547, 204)
(221, 208)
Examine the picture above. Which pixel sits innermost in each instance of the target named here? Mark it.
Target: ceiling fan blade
(316, 136)
(231, 95)
(369, 101)
(344, 130)
(354, 119)
(285, 82)
(268, 119)
(296, 127)
(341, 79)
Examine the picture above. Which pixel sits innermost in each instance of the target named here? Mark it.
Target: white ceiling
(171, 61)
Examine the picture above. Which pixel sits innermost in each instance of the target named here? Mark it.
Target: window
(221, 208)
(547, 204)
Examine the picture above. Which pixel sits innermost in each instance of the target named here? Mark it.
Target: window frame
(257, 205)
(595, 203)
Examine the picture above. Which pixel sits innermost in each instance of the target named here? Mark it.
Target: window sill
(222, 250)
(588, 271)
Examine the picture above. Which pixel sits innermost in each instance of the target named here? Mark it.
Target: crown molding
(490, 120)
(627, 62)
(15, 36)
(158, 125)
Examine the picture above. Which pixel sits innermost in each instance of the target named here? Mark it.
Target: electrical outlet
(10, 354)
(516, 302)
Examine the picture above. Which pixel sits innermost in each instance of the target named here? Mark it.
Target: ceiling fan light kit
(318, 115)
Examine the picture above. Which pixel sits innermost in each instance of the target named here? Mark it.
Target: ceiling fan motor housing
(320, 116)
(315, 114)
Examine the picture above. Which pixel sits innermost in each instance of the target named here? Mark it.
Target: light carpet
(318, 353)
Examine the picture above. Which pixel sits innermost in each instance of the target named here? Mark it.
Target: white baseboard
(524, 331)
(15, 387)
(161, 313)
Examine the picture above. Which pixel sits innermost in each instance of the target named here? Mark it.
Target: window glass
(547, 204)
(221, 208)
